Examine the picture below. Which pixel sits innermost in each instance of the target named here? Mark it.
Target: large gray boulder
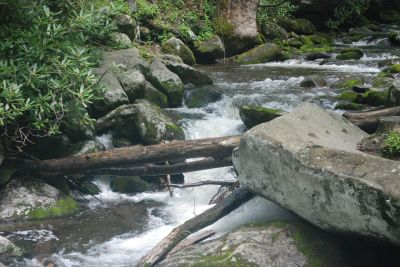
(133, 82)
(307, 162)
(154, 95)
(7, 248)
(263, 53)
(209, 50)
(167, 82)
(274, 244)
(113, 95)
(33, 199)
(125, 59)
(187, 73)
(176, 47)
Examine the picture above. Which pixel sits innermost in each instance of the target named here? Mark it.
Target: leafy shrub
(270, 10)
(48, 49)
(391, 145)
(346, 12)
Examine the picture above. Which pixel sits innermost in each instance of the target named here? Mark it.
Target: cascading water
(274, 85)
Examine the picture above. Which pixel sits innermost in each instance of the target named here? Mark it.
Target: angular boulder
(188, 74)
(112, 97)
(133, 82)
(126, 25)
(277, 243)
(153, 95)
(154, 125)
(125, 59)
(264, 53)
(307, 162)
(207, 51)
(255, 115)
(167, 82)
(201, 97)
(176, 47)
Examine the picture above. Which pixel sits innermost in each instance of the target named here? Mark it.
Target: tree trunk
(234, 200)
(369, 120)
(217, 148)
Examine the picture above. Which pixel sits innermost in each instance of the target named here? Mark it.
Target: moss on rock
(264, 53)
(62, 207)
(376, 97)
(129, 185)
(254, 115)
(350, 96)
(349, 56)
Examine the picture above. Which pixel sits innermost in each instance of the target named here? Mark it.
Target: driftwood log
(369, 120)
(230, 203)
(218, 148)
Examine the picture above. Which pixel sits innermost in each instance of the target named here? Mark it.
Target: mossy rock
(129, 185)
(350, 96)
(392, 69)
(353, 50)
(254, 115)
(389, 16)
(89, 188)
(299, 26)
(264, 53)
(349, 56)
(376, 97)
(209, 50)
(63, 207)
(348, 83)
(394, 37)
(381, 82)
(346, 105)
(177, 47)
(155, 96)
(201, 97)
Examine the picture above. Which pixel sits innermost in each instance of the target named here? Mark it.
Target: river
(121, 228)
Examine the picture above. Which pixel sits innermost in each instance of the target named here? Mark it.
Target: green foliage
(47, 51)
(346, 12)
(391, 145)
(270, 10)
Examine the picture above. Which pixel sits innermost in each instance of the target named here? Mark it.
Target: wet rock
(394, 94)
(350, 96)
(376, 97)
(188, 74)
(209, 50)
(77, 123)
(381, 82)
(264, 53)
(154, 125)
(349, 56)
(126, 25)
(7, 248)
(273, 30)
(125, 59)
(394, 37)
(89, 188)
(313, 81)
(392, 69)
(358, 33)
(389, 16)
(121, 142)
(388, 62)
(33, 199)
(133, 82)
(121, 122)
(277, 243)
(317, 55)
(121, 40)
(299, 26)
(348, 82)
(112, 97)
(177, 47)
(346, 105)
(328, 182)
(254, 115)
(236, 23)
(167, 82)
(153, 95)
(201, 97)
(129, 185)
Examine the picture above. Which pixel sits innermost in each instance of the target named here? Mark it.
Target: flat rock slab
(307, 162)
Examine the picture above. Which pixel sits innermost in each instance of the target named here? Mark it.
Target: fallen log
(217, 148)
(230, 203)
(191, 241)
(202, 183)
(369, 120)
(153, 169)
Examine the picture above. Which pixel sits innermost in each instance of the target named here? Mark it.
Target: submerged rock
(201, 97)
(313, 81)
(254, 115)
(188, 74)
(7, 248)
(264, 53)
(129, 185)
(307, 162)
(167, 82)
(209, 50)
(33, 199)
(276, 243)
(317, 55)
(177, 47)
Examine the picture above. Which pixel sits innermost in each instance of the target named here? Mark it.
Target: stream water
(121, 229)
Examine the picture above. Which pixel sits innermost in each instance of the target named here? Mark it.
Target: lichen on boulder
(177, 47)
